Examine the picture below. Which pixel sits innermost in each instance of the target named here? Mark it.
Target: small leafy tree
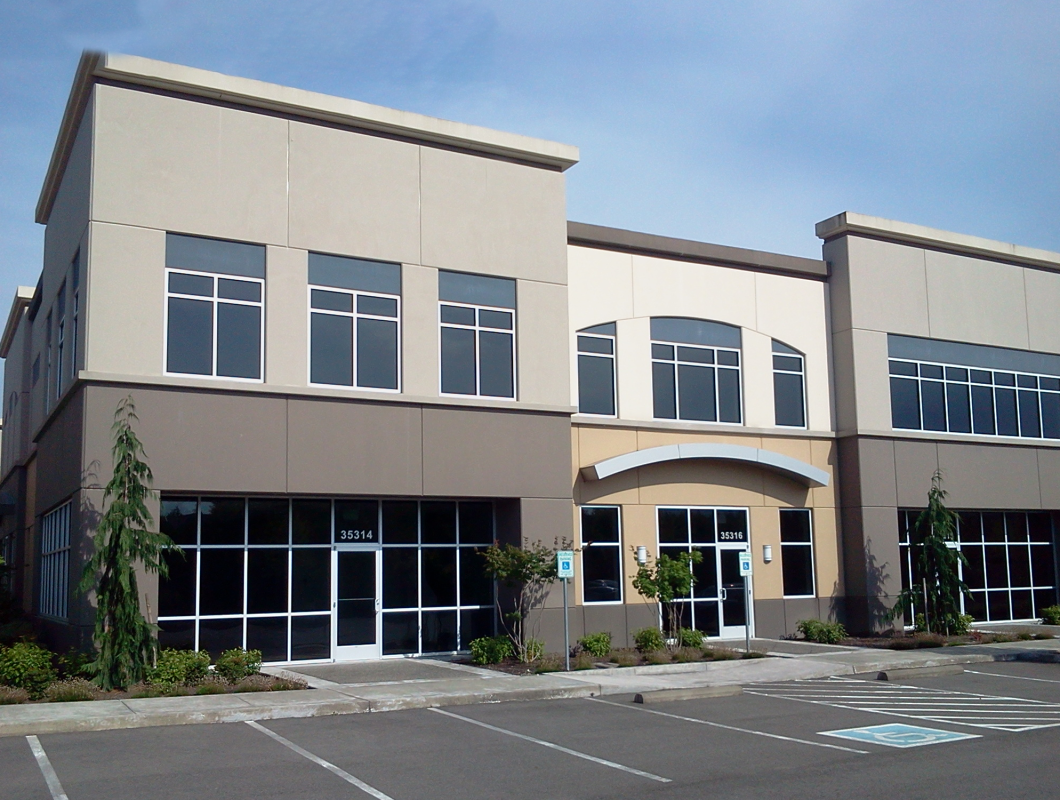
(125, 641)
(940, 589)
(664, 581)
(528, 571)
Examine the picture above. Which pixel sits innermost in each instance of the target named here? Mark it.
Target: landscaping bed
(625, 657)
(30, 673)
(916, 641)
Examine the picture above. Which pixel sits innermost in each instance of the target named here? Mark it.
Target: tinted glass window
(189, 337)
(311, 579)
(787, 399)
(934, 405)
(594, 344)
(983, 409)
(331, 301)
(958, 407)
(400, 568)
(222, 520)
(178, 519)
(377, 357)
(458, 361)
(673, 525)
(728, 395)
(695, 386)
(331, 350)
(356, 521)
(476, 587)
(476, 523)
(267, 521)
(599, 524)
(798, 570)
(458, 315)
(239, 290)
(266, 580)
(400, 522)
(377, 306)
(497, 377)
(495, 319)
(438, 576)
(905, 404)
(310, 638)
(221, 582)
(181, 283)
(596, 385)
(1005, 404)
(1050, 415)
(311, 521)
(176, 593)
(438, 522)
(238, 341)
(602, 574)
(1030, 419)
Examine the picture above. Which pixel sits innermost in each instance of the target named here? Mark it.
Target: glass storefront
(1011, 562)
(316, 579)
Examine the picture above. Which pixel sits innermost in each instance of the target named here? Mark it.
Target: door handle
(724, 594)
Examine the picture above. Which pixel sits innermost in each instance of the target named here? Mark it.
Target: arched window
(695, 370)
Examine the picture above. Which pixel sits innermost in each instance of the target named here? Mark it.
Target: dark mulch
(918, 641)
(553, 662)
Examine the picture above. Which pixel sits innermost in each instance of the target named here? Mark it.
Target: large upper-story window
(60, 340)
(214, 307)
(477, 318)
(596, 370)
(789, 392)
(695, 370)
(958, 388)
(354, 328)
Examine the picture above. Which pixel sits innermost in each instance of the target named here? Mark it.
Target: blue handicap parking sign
(899, 735)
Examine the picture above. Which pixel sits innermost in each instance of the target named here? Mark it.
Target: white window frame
(60, 339)
(54, 595)
(354, 315)
(48, 363)
(813, 555)
(478, 350)
(614, 369)
(677, 362)
(215, 300)
(801, 374)
(621, 578)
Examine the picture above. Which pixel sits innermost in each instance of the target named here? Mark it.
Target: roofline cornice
(365, 117)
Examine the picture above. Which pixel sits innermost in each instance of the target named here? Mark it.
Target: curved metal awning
(785, 465)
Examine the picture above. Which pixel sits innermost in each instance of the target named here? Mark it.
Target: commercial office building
(363, 344)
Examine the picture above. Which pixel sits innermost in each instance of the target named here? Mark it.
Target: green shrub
(1051, 615)
(535, 648)
(10, 696)
(236, 664)
(72, 663)
(962, 624)
(28, 666)
(596, 644)
(690, 637)
(491, 649)
(822, 632)
(179, 666)
(649, 640)
(71, 690)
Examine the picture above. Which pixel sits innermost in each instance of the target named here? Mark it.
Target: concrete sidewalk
(425, 683)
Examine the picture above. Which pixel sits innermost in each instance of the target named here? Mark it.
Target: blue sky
(740, 123)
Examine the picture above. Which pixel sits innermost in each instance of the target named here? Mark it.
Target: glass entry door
(733, 601)
(357, 603)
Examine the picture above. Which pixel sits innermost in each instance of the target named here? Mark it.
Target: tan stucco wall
(702, 483)
(608, 286)
(162, 163)
(881, 287)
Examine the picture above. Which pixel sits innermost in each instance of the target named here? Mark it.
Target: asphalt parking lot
(776, 740)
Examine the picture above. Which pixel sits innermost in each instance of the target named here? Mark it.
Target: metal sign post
(745, 571)
(565, 570)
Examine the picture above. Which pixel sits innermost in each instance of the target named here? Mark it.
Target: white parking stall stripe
(731, 727)
(554, 746)
(46, 769)
(1014, 677)
(364, 787)
(940, 705)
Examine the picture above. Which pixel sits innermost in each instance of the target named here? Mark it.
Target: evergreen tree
(937, 593)
(125, 641)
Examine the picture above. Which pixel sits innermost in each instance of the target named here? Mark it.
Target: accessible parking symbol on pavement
(899, 735)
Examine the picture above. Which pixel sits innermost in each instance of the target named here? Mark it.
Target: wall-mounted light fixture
(642, 555)
(767, 553)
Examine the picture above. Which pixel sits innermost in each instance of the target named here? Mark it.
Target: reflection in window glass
(696, 383)
(596, 373)
(353, 339)
(796, 552)
(601, 554)
(477, 351)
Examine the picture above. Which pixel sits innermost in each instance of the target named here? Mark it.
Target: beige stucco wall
(161, 163)
(710, 483)
(881, 287)
(608, 286)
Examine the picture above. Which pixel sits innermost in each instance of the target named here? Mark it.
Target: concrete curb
(920, 672)
(698, 693)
